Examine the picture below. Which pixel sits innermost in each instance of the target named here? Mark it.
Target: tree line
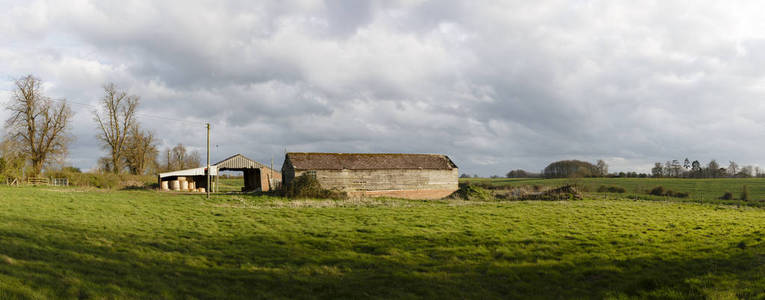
(673, 168)
(695, 169)
(37, 135)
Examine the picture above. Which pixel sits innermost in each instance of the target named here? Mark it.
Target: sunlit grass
(71, 243)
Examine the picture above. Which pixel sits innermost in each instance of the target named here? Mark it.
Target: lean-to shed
(194, 179)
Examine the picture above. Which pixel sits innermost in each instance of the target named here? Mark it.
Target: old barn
(413, 176)
(257, 176)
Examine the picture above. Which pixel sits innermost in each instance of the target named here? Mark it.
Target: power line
(137, 114)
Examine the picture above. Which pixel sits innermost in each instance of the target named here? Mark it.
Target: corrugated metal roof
(238, 161)
(369, 161)
(190, 172)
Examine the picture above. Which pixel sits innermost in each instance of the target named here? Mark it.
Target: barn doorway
(254, 175)
(240, 180)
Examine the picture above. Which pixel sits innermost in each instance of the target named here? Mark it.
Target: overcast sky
(496, 85)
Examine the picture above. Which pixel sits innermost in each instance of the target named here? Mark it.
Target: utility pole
(208, 161)
(271, 178)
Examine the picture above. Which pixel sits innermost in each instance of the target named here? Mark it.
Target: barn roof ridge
(231, 163)
(232, 156)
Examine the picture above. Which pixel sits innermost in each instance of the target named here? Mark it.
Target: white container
(184, 185)
(175, 185)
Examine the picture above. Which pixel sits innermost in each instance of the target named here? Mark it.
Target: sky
(495, 85)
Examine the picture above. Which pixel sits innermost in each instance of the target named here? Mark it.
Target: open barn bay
(74, 243)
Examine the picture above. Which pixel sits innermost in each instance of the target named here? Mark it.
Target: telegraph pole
(208, 161)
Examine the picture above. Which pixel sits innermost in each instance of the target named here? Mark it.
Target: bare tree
(37, 124)
(733, 168)
(141, 151)
(179, 158)
(119, 116)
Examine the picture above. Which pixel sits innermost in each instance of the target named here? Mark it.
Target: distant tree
(105, 165)
(179, 158)
(517, 174)
(570, 168)
(119, 116)
(141, 150)
(461, 176)
(37, 124)
(686, 164)
(602, 168)
(658, 170)
(676, 168)
(732, 168)
(695, 166)
(713, 169)
(745, 172)
(668, 169)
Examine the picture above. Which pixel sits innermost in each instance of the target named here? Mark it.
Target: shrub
(306, 186)
(616, 189)
(658, 191)
(727, 196)
(611, 189)
(681, 194)
(473, 193)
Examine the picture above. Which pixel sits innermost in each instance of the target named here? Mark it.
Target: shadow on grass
(104, 264)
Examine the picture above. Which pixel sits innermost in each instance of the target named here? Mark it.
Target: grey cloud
(496, 85)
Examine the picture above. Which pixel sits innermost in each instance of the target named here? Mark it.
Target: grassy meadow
(90, 243)
(700, 190)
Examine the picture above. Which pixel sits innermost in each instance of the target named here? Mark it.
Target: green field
(74, 243)
(226, 185)
(706, 190)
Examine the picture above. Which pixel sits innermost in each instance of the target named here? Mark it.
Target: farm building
(257, 176)
(413, 176)
(192, 180)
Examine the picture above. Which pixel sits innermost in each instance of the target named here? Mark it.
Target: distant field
(709, 189)
(230, 184)
(74, 243)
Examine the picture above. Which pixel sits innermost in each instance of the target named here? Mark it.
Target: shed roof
(369, 161)
(190, 172)
(238, 161)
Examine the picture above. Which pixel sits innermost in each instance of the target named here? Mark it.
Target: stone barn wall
(401, 183)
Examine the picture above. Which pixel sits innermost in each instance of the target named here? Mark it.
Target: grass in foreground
(68, 243)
